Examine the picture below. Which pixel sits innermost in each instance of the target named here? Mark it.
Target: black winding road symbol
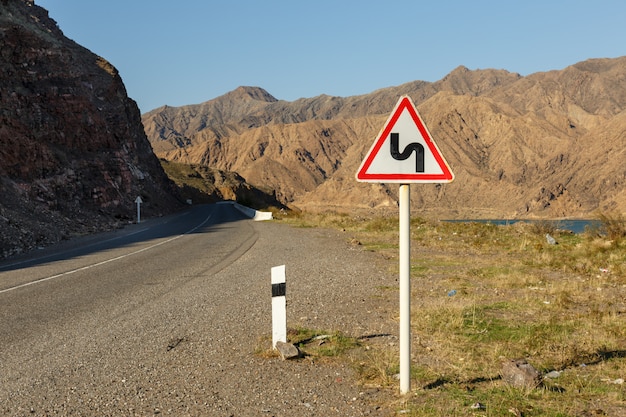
(408, 150)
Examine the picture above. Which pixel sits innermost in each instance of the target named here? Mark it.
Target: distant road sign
(139, 201)
(404, 152)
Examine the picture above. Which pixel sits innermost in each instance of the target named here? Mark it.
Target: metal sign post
(391, 160)
(405, 288)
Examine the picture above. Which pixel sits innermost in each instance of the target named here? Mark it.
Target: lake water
(576, 226)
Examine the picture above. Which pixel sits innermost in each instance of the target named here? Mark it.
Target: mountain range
(547, 145)
(75, 152)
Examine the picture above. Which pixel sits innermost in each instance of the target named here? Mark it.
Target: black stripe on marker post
(279, 290)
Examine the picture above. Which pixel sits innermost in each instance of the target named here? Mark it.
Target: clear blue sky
(187, 52)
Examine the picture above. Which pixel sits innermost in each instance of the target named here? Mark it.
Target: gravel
(194, 358)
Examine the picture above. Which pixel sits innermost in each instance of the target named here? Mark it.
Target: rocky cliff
(547, 145)
(73, 153)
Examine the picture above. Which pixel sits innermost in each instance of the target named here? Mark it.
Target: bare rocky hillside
(550, 144)
(73, 152)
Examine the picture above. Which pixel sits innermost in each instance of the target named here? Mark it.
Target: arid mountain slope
(73, 153)
(546, 145)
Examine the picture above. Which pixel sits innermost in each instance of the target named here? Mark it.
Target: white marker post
(404, 153)
(138, 200)
(279, 305)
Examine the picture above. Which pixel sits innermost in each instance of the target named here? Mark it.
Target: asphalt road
(164, 317)
(116, 271)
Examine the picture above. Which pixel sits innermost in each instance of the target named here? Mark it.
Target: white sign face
(404, 151)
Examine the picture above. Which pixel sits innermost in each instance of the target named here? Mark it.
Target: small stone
(550, 239)
(287, 350)
(618, 381)
(553, 374)
(520, 374)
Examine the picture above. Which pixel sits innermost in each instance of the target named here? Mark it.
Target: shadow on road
(196, 219)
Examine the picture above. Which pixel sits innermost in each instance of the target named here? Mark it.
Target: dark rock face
(73, 153)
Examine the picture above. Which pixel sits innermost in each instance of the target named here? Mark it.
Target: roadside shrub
(543, 227)
(613, 226)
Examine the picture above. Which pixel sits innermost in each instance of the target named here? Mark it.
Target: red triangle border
(404, 103)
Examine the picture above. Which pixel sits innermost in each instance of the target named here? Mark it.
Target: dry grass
(312, 343)
(561, 307)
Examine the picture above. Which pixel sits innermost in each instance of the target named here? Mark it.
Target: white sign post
(404, 153)
(138, 200)
(279, 305)
(405, 288)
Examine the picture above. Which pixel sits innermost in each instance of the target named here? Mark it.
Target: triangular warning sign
(404, 151)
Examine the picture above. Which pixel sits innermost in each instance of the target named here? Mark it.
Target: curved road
(109, 276)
